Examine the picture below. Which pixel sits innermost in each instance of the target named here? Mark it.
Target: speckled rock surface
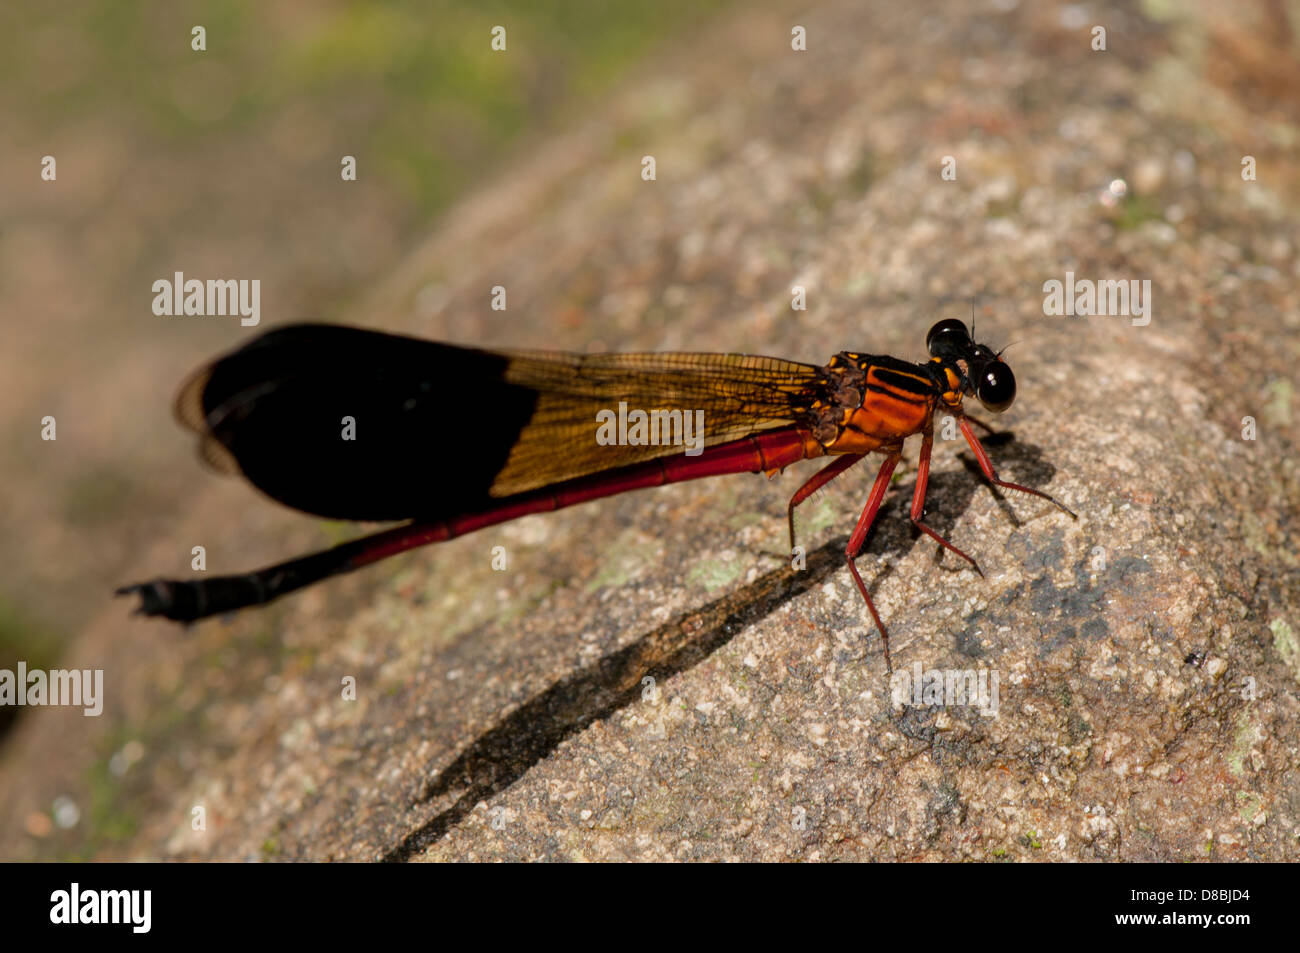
(508, 716)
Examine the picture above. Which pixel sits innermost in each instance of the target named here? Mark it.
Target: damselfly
(355, 424)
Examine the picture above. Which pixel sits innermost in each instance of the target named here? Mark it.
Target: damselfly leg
(987, 466)
(859, 537)
(918, 501)
(816, 482)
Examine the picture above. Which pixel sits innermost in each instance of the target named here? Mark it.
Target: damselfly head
(995, 385)
(984, 374)
(948, 339)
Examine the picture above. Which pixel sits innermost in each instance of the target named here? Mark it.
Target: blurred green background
(226, 162)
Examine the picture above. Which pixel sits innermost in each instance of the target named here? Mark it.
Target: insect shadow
(505, 752)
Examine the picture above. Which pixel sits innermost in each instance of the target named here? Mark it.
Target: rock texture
(1147, 654)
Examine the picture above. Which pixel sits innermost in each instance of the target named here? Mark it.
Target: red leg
(987, 466)
(918, 502)
(860, 536)
(816, 482)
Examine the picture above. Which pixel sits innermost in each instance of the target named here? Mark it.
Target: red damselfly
(525, 431)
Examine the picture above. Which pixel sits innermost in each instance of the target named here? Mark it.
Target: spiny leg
(816, 482)
(859, 537)
(918, 501)
(987, 466)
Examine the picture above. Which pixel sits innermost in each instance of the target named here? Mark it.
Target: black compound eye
(949, 336)
(996, 386)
